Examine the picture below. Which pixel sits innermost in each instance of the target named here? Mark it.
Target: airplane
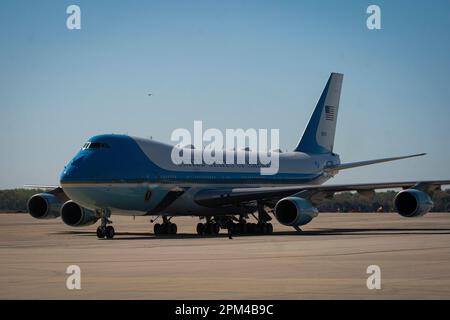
(124, 175)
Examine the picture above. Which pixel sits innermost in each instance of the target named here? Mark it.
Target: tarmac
(328, 260)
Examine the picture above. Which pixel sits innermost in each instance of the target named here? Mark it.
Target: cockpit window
(95, 145)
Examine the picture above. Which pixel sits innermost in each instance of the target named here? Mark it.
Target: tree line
(382, 202)
(15, 200)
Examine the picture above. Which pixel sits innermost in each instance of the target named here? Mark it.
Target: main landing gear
(251, 228)
(166, 227)
(212, 227)
(104, 230)
(208, 228)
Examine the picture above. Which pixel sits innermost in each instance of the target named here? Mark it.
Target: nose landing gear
(107, 232)
(103, 230)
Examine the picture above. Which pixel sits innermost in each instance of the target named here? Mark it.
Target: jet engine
(412, 203)
(44, 206)
(74, 215)
(294, 211)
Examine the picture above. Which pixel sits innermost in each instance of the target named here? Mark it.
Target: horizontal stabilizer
(349, 165)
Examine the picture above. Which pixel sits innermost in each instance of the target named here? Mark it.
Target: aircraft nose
(72, 170)
(65, 175)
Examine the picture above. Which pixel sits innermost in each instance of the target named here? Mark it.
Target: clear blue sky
(232, 64)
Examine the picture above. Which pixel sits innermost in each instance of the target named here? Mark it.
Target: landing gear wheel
(216, 228)
(100, 232)
(230, 227)
(165, 228)
(109, 232)
(157, 228)
(269, 228)
(173, 228)
(208, 228)
(103, 230)
(200, 229)
(264, 228)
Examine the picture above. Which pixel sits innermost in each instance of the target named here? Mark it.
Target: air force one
(123, 175)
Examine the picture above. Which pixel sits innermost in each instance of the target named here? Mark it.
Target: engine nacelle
(412, 203)
(44, 206)
(295, 211)
(75, 215)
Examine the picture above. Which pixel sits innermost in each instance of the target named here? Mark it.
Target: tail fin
(318, 136)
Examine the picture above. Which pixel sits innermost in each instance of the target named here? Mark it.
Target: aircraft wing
(55, 190)
(232, 196)
(40, 186)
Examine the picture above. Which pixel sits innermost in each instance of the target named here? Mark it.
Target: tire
(216, 228)
(166, 228)
(270, 228)
(100, 233)
(110, 232)
(173, 228)
(264, 228)
(157, 228)
(230, 227)
(200, 229)
(259, 228)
